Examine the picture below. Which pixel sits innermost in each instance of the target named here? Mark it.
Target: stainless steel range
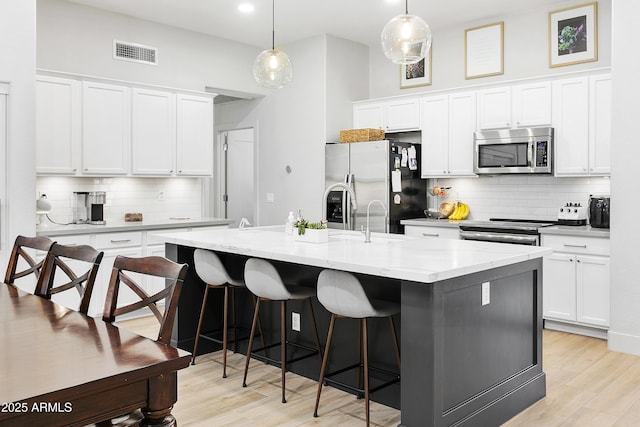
(503, 230)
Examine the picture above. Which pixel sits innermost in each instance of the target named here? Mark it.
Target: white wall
(78, 39)
(17, 67)
(624, 334)
(526, 52)
(181, 197)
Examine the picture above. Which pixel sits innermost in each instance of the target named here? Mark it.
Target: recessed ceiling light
(246, 8)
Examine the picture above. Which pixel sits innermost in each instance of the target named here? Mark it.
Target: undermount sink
(360, 237)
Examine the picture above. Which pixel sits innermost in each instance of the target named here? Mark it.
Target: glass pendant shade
(406, 39)
(272, 69)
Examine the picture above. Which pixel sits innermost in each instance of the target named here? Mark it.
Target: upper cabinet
(153, 132)
(103, 129)
(391, 116)
(106, 131)
(448, 123)
(523, 105)
(57, 125)
(582, 122)
(194, 135)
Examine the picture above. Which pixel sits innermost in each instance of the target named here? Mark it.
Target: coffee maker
(80, 211)
(95, 207)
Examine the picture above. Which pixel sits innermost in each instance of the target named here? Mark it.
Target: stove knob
(561, 209)
(575, 210)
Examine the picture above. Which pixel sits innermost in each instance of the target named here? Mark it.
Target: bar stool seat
(342, 294)
(264, 281)
(211, 271)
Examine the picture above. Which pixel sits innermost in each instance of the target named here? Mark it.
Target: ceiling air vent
(135, 52)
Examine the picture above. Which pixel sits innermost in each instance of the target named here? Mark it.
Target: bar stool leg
(395, 340)
(224, 331)
(254, 299)
(325, 358)
(204, 304)
(253, 331)
(315, 329)
(359, 395)
(365, 340)
(283, 344)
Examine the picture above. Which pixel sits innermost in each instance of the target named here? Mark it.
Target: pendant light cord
(406, 7)
(273, 24)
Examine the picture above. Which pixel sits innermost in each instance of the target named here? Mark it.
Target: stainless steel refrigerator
(385, 170)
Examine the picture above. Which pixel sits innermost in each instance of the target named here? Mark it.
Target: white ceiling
(358, 20)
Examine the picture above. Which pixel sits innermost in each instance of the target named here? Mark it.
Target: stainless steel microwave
(525, 150)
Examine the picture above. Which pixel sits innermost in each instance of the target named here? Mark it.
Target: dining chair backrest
(123, 270)
(82, 279)
(19, 252)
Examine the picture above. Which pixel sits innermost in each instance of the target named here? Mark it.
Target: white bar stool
(341, 293)
(211, 270)
(262, 278)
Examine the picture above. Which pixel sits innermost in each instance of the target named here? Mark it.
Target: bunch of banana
(460, 212)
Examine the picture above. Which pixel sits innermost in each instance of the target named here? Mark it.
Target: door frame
(214, 188)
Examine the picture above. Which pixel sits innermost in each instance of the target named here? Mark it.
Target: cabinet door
(57, 125)
(429, 232)
(435, 136)
(571, 123)
(105, 129)
(559, 287)
(194, 135)
(368, 116)
(462, 124)
(532, 104)
(402, 115)
(494, 108)
(593, 290)
(600, 125)
(153, 134)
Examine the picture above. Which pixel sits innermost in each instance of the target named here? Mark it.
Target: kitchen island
(471, 315)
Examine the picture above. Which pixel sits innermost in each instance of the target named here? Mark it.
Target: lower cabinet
(576, 282)
(432, 232)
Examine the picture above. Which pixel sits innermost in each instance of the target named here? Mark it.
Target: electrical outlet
(161, 195)
(295, 321)
(486, 293)
(270, 198)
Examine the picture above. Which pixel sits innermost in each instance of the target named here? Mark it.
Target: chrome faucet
(352, 196)
(367, 232)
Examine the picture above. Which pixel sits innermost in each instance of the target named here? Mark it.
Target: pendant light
(406, 39)
(272, 68)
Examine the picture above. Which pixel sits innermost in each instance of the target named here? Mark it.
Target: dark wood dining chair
(59, 258)
(19, 252)
(123, 267)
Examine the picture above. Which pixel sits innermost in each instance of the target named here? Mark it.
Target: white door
(239, 188)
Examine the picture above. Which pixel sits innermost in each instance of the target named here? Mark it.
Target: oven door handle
(499, 237)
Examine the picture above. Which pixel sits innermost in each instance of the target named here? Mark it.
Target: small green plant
(302, 224)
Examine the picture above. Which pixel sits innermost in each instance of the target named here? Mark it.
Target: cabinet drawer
(577, 244)
(76, 239)
(118, 240)
(432, 232)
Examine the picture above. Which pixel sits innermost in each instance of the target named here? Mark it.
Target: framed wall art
(573, 35)
(418, 74)
(484, 51)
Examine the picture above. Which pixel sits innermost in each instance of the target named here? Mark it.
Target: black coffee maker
(599, 209)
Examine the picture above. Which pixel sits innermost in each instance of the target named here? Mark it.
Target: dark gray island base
(463, 363)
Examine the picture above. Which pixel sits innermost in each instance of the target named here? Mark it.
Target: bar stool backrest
(264, 281)
(342, 293)
(210, 269)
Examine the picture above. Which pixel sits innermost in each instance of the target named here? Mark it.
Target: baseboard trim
(624, 343)
(575, 329)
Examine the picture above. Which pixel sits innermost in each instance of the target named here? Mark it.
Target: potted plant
(314, 232)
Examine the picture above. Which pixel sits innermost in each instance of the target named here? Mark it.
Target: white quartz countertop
(582, 230)
(120, 225)
(388, 255)
(432, 222)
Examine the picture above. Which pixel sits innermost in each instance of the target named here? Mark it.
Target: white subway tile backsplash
(519, 196)
(182, 196)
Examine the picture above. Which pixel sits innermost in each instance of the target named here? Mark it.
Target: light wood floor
(587, 385)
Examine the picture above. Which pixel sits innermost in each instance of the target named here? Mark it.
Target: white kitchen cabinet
(576, 281)
(153, 132)
(582, 122)
(368, 115)
(432, 232)
(106, 128)
(448, 123)
(523, 105)
(194, 126)
(58, 128)
(402, 115)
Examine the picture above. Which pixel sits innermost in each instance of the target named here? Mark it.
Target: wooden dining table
(62, 368)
